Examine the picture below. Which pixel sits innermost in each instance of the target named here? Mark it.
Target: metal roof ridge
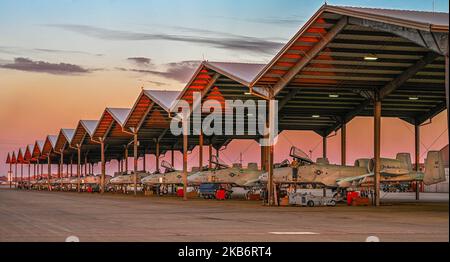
(391, 9)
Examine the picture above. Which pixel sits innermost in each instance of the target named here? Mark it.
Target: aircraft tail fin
(434, 168)
(406, 159)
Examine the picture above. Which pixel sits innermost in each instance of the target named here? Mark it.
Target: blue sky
(29, 25)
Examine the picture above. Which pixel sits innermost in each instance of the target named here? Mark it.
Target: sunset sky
(62, 61)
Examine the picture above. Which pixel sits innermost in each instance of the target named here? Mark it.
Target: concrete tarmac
(54, 216)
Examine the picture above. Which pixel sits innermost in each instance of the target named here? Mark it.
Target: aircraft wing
(348, 181)
(394, 172)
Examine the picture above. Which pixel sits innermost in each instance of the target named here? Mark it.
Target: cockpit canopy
(167, 166)
(301, 156)
(218, 163)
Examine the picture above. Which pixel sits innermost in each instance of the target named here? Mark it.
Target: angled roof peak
(89, 125)
(119, 114)
(164, 98)
(243, 73)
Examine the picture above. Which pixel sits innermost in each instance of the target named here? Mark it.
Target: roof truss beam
(435, 41)
(288, 97)
(407, 74)
(313, 52)
(433, 112)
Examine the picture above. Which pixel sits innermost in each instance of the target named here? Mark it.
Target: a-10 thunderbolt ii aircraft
(128, 179)
(90, 180)
(170, 176)
(224, 174)
(337, 176)
(221, 173)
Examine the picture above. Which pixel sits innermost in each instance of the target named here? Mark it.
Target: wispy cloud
(15, 50)
(291, 20)
(282, 21)
(65, 51)
(25, 64)
(140, 61)
(226, 41)
(179, 71)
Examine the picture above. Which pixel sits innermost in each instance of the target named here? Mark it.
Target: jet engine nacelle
(363, 162)
(398, 166)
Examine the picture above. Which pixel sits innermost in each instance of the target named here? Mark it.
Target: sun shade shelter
(220, 81)
(149, 122)
(49, 153)
(347, 61)
(36, 155)
(113, 140)
(215, 81)
(28, 158)
(21, 161)
(13, 160)
(344, 62)
(9, 162)
(66, 153)
(84, 145)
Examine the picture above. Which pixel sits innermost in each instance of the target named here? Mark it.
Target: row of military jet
(320, 172)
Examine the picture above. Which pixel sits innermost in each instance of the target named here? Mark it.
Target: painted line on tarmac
(294, 233)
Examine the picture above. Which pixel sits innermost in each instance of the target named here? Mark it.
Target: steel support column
(144, 163)
(157, 155)
(417, 157)
(15, 175)
(172, 157)
(102, 179)
(135, 166)
(324, 146)
(10, 175)
(29, 174)
(71, 166)
(78, 168)
(344, 144)
(270, 140)
(126, 159)
(377, 149)
(200, 150)
(263, 158)
(447, 88)
(86, 164)
(61, 168)
(210, 155)
(49, 170)
(185, 151)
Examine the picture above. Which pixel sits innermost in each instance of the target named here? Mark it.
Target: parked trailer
(310, 200)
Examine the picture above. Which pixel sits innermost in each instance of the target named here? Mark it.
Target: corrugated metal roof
(21, 152)
(164, 98)
(68, 133)
(13, 158)
(89, 125)
(52, 139)
(119, 114)
(30, 147)
(431, 19)
(243, 73)
(406, 18)
(40, 144)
